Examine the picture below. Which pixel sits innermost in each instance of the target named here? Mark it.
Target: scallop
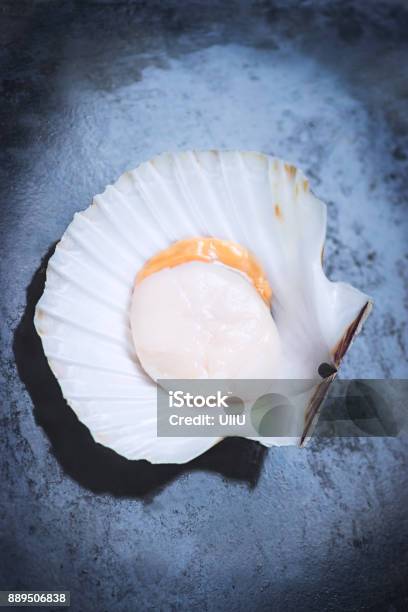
(193, 265)
(193, 320)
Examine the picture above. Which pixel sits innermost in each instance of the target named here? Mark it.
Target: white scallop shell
(250, 198)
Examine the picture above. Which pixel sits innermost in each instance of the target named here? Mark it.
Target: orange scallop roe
(210, 250)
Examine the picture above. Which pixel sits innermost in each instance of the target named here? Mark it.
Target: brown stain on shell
(315, 405)
(316, 402)
(278, 212)
(290, 170)
(341, 347)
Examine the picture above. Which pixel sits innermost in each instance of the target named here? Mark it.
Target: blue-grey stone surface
(92, 88)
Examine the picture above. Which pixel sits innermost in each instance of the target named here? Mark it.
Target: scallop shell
(82, 317)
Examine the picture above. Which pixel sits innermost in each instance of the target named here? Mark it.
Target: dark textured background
(90, 89)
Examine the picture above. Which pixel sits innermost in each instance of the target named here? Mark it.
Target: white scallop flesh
(203, 320)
